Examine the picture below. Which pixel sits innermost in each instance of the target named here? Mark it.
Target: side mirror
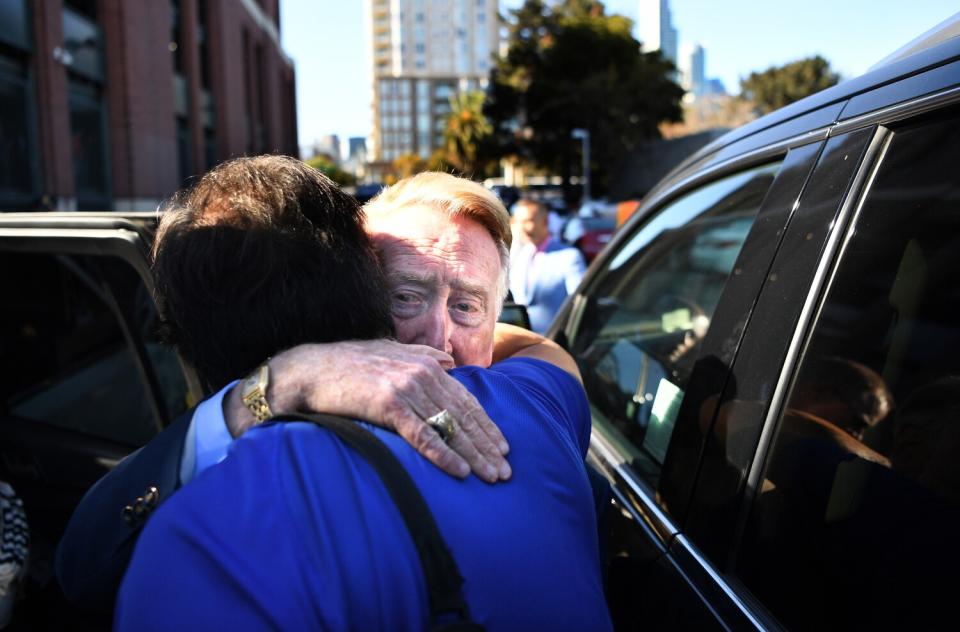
(515, 314)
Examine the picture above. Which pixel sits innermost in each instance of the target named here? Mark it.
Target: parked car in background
(365, 192)
(589, 234)
(507, 194)
(771, 351)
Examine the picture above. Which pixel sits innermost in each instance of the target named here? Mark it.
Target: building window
(88, 145)
(83, 41)
(17, 144)
(16, 25)
(184, 149)
(181, 95)
(206, 86)
(254, 73)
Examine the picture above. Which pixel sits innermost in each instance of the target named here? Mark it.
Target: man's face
(442, 274)
(529, 225)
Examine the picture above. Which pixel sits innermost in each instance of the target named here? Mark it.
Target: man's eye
(404, 297)
(466, 308)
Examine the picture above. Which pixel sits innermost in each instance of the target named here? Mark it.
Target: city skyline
(326, 40)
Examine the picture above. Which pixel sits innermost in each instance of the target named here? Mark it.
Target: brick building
(112, 104)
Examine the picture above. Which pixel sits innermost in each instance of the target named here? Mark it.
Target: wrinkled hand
(394, 386)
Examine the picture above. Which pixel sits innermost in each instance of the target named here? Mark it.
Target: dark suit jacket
(95, 548)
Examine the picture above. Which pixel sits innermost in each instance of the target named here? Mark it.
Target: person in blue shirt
(293, 530)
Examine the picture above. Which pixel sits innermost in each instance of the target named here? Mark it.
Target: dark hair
(260, 255)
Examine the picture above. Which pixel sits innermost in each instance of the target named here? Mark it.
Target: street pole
(584, 136)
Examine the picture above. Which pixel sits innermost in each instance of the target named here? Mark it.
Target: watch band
(255, 393)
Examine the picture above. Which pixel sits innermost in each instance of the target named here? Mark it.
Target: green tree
(466, 128)
(406, 165)
(778, 86)
(329, 168)
(570, 65)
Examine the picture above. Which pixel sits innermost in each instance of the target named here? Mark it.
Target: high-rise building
(691, 65)
(656, 28)
(328, 145)
(423, 52)
(693, 79)
(357, 147)
(111, 104)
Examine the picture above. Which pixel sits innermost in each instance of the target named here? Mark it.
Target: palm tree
(466, 127)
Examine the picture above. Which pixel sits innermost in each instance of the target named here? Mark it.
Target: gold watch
(254, 393)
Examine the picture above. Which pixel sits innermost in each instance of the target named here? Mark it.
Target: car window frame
(101, 237)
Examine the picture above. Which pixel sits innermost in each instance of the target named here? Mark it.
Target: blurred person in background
(543, 269)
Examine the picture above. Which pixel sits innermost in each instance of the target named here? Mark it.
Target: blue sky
(326, 40)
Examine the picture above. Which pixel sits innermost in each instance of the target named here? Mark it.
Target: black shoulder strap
(442, 574)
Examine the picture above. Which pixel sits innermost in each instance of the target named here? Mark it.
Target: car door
(847, 516)
(85, 380)
(655, 328)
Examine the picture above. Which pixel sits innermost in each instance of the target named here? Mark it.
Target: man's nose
(439, 328)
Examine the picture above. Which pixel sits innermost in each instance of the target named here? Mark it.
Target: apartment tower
(423, 52)
(656, 28)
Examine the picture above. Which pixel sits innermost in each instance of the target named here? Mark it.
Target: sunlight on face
(443, 275)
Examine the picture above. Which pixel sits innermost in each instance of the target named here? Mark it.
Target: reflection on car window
(646, 317)
(73, 367)
(856, 521)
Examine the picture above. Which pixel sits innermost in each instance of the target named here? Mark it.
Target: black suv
(771, 348)
(85, 381)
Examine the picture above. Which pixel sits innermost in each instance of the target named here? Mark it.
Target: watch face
(251, 382)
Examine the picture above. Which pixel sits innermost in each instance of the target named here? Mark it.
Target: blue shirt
(294, 530)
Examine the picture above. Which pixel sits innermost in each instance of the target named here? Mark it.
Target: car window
(68, 361)
(646, 315)
(856, 517)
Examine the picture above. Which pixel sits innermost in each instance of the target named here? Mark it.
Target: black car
(771, 349)
(85, 381)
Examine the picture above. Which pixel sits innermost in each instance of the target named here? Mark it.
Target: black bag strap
(440, 569)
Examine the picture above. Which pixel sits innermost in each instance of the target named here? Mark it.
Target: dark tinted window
(646, 317)
(68, 362)
(856, 520)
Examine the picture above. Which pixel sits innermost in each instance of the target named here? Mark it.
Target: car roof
(942, 32)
